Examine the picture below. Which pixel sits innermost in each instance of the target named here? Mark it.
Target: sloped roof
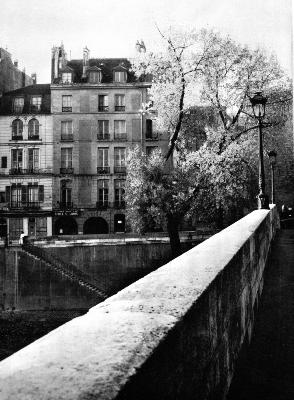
(39, 88)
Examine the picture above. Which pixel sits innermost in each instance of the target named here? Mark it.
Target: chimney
(86, 54)
(34, 78)
(23, 77)
(15, 64)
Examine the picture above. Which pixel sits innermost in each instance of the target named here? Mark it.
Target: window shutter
(41, 193)
(7, 194)
(24, 194)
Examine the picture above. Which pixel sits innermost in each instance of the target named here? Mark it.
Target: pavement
(266, 366)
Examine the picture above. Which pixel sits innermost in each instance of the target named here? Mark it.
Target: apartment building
(97, 117)
(26, 162)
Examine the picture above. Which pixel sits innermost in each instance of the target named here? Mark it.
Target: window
(16, 160)
(3, 162)
(148, 128)
(36, 102)
(66, 130)
(120, 76)
(16, 195)
(119, 159)
(102, 160)
(33, 160)
(33, 128)
(120, 102)
(2, 197)
(119, 193)
(66, 77)
(18, 104)
(95, 76)
(65, 194)
(102, 102)
(102, 193)
(66, 103)
(17, 129)
(33, 194)
(103, 129)
(66, 160)
(120, 130)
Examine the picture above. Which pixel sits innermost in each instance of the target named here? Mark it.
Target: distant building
(26, 162)
(11, 77)
(96, 117)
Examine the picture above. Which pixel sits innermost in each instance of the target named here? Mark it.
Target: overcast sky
(110, 28)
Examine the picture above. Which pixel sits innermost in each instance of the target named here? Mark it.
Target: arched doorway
(119, 223)
(3, 227)
(66, 226)
(95, 225)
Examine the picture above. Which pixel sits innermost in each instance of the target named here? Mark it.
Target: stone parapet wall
(174, 334)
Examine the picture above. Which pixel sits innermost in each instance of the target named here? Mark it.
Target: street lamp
(272, 155)
(258, 102)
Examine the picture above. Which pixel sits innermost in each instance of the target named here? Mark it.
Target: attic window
(66, 77)
(95, 76)
(120, 76)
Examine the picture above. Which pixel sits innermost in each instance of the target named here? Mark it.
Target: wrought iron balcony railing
(65, 205)
(103, 170)
(103, 108)
(119, 205)
(66, 109)
(67, 170)
(120, 108)
(151, 135)
(120, 136)
(17, 137)
(29, 171)
(66, 137)
(33, 137)
(120, 169)
(102, 205)
(103, 136)
(28, 205)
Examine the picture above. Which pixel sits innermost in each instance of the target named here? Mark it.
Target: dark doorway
(66, 226)
(95, 225)
(119, 223)
(3, 227)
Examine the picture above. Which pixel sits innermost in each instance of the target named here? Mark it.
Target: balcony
(103, 136)
(17, 137)
(103, 108)
(120, 108)
(120, 169)
(33, 137)
(151, 135)
(67, 170)
(66, 137)
(119, 205)
(103, 170)
(66, 109)
(28, 205)
(23, 171)
(65, 205)
(120, 136)
(102, 205)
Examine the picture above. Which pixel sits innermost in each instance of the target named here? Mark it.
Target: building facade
(96, 116)
(26, 162)
(11, 77)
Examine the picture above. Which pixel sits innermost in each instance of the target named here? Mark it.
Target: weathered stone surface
(174, 334)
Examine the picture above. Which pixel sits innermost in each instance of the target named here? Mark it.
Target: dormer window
(36, 102)
(120, 76)
(18, 104)
(95, 76)
(66, 77)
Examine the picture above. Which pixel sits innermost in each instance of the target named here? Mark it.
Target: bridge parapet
(174, 334)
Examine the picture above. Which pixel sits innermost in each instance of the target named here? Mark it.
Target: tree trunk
(173, 232)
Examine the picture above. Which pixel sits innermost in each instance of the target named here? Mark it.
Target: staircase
(64, 269)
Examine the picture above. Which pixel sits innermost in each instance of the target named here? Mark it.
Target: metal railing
(66, 109)
(67, 170)
(102, 205)
(16, 137)
(103, 136)
(120, 108)
(31, 205)
(151, 136)
(66, 205)
(29, 171)
(120, 136)
(120, 169)
(66, 137)
(103, 170)
(103, 108)
(68, 270)
(33, 137)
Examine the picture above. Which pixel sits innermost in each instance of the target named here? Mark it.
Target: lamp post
(258, 102)
(272, 155)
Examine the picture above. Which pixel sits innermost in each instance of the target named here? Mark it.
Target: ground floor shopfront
(35, 226)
